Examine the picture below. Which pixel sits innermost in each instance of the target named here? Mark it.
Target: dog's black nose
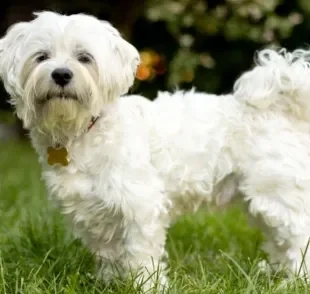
(62, 76)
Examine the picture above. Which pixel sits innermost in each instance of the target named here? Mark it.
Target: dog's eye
(42, 56)
(84, 58)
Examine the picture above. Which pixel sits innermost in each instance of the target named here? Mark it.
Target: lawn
(210, 252)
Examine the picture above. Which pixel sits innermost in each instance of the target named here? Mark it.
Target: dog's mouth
(61, 95)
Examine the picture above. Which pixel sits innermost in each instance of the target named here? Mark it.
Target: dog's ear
(10, 56)
(266, 82)
(128, 59)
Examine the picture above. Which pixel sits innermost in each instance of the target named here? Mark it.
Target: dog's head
(61, 69)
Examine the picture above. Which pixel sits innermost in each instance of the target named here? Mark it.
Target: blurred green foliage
(208, 43)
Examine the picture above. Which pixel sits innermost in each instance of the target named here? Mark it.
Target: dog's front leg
(139, 255)
(137, 248)
(121, 218)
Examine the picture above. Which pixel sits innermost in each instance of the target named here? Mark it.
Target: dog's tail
(279, 78)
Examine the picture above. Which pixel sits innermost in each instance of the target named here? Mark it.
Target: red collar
(92, 122)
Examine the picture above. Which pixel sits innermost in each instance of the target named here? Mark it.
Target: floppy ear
(10, 56)
(264, 84)
(128, 57)
(11, 46)
(130, 60)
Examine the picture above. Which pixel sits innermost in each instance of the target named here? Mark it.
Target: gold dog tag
(59, 155)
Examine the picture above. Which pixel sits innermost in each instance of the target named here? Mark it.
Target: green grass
(210, 252)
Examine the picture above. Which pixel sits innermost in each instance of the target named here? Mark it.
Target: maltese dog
(64, 75)
(122, 169)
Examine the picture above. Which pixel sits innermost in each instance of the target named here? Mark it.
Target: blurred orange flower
(152, 64)
(143, 72)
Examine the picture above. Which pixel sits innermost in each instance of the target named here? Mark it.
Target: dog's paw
(264, 267)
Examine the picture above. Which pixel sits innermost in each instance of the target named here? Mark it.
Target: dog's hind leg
(287, 236)
(279, 199)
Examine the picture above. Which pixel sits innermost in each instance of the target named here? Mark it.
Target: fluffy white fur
(143, 164)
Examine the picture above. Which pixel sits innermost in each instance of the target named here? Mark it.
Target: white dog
(122, 169)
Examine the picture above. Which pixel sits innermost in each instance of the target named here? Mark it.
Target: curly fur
(255, 142)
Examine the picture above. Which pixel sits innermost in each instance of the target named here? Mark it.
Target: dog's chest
(93, 220)
(83, 190)
(84, 199)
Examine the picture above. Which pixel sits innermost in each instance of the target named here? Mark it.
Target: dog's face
(64, 68)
